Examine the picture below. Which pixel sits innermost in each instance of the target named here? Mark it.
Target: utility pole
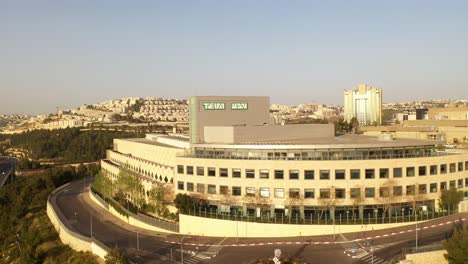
(416, 231)
(91, 224)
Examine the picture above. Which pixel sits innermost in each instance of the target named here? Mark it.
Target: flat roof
(148, 142)
(338, 142)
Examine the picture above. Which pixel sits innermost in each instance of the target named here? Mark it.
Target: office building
(363, 103)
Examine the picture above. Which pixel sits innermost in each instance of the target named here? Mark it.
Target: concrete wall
(71, 238)
(201, 226)
(426, 257)
(262, 133)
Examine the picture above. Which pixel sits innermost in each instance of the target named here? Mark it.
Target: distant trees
(71, 144)
(23, 220)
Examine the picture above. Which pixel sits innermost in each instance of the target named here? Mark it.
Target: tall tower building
(364, 103)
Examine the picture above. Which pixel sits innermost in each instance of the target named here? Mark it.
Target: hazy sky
(67, 53)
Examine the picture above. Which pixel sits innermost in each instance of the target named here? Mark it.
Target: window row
(339, 174)
(332, 193)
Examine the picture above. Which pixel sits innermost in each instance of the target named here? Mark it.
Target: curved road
(143, 246)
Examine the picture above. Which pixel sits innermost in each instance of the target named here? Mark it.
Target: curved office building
(236, 161)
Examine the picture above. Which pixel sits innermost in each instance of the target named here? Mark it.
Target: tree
(103, 185)
(457, 248)
(385, 197)
(449, 199)
(354, 125)
(185, 202)
(327, 202)
(115, 256)
(128, 182)
(160, 195)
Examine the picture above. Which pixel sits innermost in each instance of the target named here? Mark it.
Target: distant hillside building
(364, 103)
(448, 113)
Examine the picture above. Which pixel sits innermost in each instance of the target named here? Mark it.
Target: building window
(443, 168)
(340, 174)
(460, 183)
(309, 193)
(355, 193)
(200, 171)
(309, 174)
(324, 193)
(223, 172)
(340, 193)
(433, 169)
(452, 184)
(211, 189)
(265, 192)
(370, 192)
(190, 186)
(180, 169)
(212, 172)
(466, 181)
(236, 191)
(200, 187)
(355, 174)
(294, 193)
(453, 168)
(224, 190)
(294, 175)
(422, 171)
(422, 189)
(236, 173)
(397, 172)
(190, 170)
(433, 187)
(384, 191)
(249, 173)
(279, 174)
(324, 174)
(370, 173)
(409, 171)
(384, 173)
(397, 190)
(460, 166)
(180, 185)
(279, 193)
(264, 174)
(466, 165)
(443, 186)
(250, 191)
(410, 190)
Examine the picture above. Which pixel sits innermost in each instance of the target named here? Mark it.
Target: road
(79, 212)
(6, 168)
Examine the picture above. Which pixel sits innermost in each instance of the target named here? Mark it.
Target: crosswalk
(355, 250)
(203, 256)
(372, 259)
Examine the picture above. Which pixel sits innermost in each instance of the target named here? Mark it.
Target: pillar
(361, 211)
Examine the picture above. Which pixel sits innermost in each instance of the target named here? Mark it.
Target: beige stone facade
(297, 185)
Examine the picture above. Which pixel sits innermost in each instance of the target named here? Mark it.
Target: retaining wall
(201, 226)
(71, 238)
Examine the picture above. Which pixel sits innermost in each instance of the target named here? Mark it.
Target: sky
(69, 53)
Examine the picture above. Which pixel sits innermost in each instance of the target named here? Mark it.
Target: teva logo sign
(239, 106)
(214, 106)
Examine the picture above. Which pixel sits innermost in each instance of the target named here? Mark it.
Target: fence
(152, 221)
(321, 218)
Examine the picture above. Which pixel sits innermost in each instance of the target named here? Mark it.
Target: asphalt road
(79, 212)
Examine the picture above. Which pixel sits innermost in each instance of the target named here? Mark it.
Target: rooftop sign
(239, 106)
(214, 106)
